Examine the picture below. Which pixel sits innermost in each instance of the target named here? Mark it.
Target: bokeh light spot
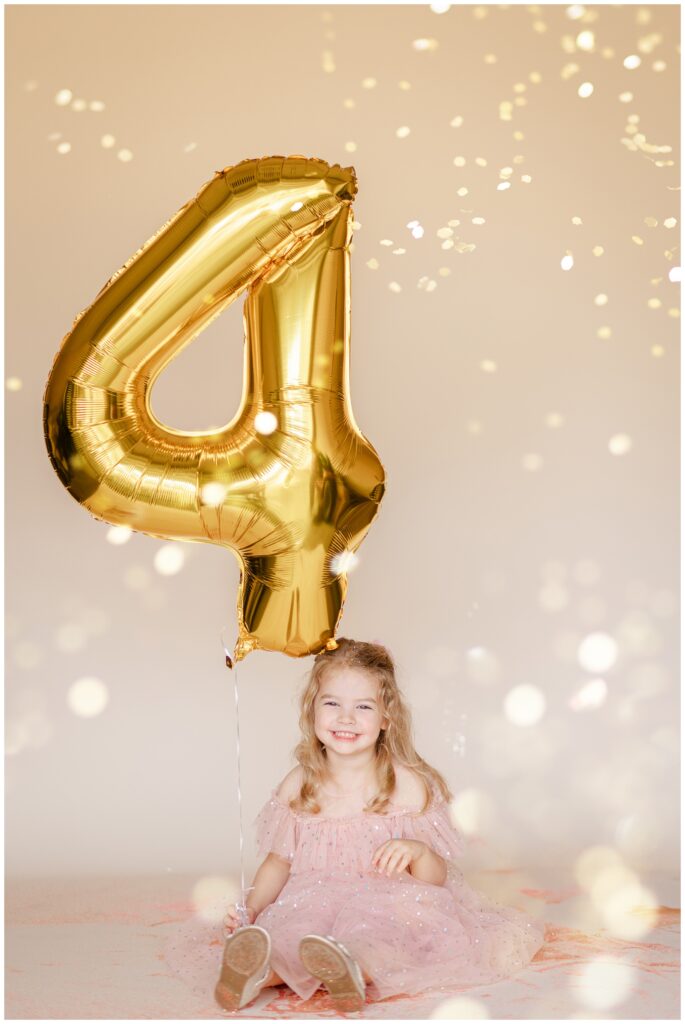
(170, 559)
(88, 697)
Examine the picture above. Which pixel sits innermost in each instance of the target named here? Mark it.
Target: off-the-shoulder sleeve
(434, 828)
(276, 828)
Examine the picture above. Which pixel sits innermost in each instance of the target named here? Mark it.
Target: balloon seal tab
(332, 644)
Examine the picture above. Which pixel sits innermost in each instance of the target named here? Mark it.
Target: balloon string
(241, 906)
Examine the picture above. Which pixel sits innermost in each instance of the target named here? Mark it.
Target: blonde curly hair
(394, 743)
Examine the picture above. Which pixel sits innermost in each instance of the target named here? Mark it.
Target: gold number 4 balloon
(291, 484)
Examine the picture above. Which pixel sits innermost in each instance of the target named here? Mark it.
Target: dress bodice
(319, 842)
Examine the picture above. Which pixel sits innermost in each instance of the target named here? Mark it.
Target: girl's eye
(366, 707)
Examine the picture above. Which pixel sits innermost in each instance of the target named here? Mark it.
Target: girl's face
(347, 713)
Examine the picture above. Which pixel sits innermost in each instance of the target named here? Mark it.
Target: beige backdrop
(524, 566)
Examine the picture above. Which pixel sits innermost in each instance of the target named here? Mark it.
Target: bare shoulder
(410, 789)
(290, 785)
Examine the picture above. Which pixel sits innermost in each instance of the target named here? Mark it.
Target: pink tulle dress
(407, 935)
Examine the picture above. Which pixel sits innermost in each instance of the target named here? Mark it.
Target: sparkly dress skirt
(407, 936)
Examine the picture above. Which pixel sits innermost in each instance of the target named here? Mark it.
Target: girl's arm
(429, 867)
(270, 878)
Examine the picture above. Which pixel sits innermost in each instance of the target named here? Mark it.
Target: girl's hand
(232, 920)
(397, 855)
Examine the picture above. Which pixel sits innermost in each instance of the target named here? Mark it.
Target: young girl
(359, 887)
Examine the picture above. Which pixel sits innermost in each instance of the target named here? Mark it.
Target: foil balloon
(290, 484)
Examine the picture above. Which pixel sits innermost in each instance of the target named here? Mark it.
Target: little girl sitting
(359, 885)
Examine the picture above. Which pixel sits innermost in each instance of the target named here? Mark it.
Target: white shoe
(330, 962)
(245, 967)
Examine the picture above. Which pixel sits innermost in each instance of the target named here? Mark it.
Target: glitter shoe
(245, 967)
(329, 961)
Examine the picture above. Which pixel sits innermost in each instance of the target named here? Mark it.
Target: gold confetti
(457, 122)
(488, 366)
(64, 147)
(604, 332)
(586, 41)
(631, 62)
(96, 105)
(107, 141)
(670, 222)
(449, 244)
(327, 62)
(125, 155)
(657, 351)
(63, 98)
(478, 220)
(369, 83)
(404, 85)
(577, 220)
(403, 132)
(554, 420)
(351, 147)
(349, 104)
(601, 299)
(598, 250)
(79, 105)
(459, 161)
(386, 241)
(444, 271)
(372, 264)
(444, 232)
(674, 313)
(567, 262)
(654, 303)
(626, 97)
(14, 384)
(526, 178)
(585, 90)
(394, 286)
(398, 252)
(637, 240)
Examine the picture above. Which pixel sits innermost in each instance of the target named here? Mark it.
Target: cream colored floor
(99, 949)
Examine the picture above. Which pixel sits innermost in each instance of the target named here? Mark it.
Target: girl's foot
(329, 961)
(245, 967)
